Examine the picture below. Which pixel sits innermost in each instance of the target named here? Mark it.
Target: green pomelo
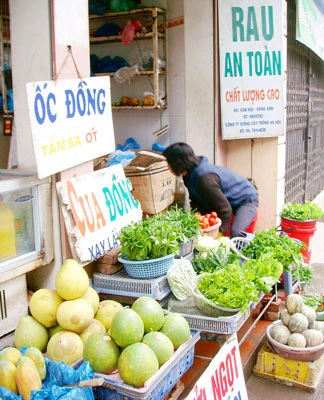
(71, 281)
(92, 297)
(177, 329)
(161, 345)
(43, 306)
(10, 354)
(30, 332)
(65, 346)
(137, 363)
(75, 315)
(106, 310)
(101, 352)
(126, 327)
(7, 375)
(151, 313)
(54, 329)
(94, 327)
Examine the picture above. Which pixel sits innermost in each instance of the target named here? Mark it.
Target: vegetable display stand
(301, 230)
(300, 374)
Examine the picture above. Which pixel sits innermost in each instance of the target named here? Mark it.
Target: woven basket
(147, 269)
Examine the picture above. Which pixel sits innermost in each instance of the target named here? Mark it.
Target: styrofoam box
(157, 387)
(122, 284)
(13, 303)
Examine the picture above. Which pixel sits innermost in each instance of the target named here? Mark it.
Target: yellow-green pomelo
(54, 329)
(7, 375)
(71, 281)
(106, 310)
(176, 328)
(92, 297)
(30, 332)
(75, 315)
(160, 344)
(94, 327)
(10, 354)
(65, 346)
(150, 311)
(43, 306)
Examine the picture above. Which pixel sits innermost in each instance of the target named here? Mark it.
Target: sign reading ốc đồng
(71, 122)
(252, 54)
(95, 207)
(223, 379)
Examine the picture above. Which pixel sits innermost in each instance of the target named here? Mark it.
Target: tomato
(207, 216)
(213, 214)
(212, 221)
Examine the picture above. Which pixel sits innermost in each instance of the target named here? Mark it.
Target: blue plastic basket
(147, 269)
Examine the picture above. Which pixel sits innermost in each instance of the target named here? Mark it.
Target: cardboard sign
(71, 122)
(252, 53)
(95, 207)
(223, 379)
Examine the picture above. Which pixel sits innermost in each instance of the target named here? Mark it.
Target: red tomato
(207, 216)
(212, 221)
(213, 214)
(204, 225)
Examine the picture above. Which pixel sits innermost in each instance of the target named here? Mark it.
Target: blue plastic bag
(129, 144)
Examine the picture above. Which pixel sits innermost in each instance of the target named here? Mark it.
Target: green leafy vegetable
(229, 287)
(303, 272)
(282, 248)
(302, 212)
(214, 259)
(263, 272)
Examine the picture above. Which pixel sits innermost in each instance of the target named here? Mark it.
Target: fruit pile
(71, 323)
(298, 327)
(207, 220)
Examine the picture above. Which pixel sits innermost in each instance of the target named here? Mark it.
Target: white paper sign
(95, 207)
(71, 122)
(223, 379)
(252, 54)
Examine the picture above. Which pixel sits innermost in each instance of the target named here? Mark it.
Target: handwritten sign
(71, 122)
(223, 379)
(95, 207)
(252, 68)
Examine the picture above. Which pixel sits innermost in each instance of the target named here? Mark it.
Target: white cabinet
(147, 49)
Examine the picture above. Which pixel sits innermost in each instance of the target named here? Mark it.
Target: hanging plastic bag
(182, 278)
(128, 32)
(125, 74)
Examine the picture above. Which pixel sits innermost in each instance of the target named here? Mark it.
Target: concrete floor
(260, 388)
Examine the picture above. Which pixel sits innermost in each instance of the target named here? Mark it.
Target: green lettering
(233, 64)
(237, 24)
(252, 26)
(267, 35)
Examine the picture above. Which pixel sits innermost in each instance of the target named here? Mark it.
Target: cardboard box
(153, 183)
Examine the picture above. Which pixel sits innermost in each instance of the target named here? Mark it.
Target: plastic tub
(213, 230)
(300, 354)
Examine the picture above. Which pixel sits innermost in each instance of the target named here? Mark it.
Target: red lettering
(224, 386)
(235, 361)
(229, 368)
(98, 211)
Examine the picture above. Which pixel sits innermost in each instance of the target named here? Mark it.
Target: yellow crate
(301, 374)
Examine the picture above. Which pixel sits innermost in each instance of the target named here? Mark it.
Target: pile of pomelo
(71, 323)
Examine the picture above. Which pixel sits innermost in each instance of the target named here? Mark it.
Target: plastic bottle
(180, 193)
(7, 231)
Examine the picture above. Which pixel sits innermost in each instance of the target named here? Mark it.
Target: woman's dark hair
(181, 157)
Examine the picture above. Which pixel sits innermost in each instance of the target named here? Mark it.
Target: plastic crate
(122, 284)
(197, 320)
(157, 387)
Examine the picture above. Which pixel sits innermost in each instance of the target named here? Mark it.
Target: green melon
(294, 303)
(298, 323)
(309, 313)
(151, 313)
(126, 327)
(280, 333)
(160, 344)
(137, 363)
(297, 340)
(177, 329)
(101, 352)
(313, 337)
(285, 316)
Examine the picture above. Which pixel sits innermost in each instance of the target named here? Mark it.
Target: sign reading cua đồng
(95, 207)
(252, 54)
(71, 122)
